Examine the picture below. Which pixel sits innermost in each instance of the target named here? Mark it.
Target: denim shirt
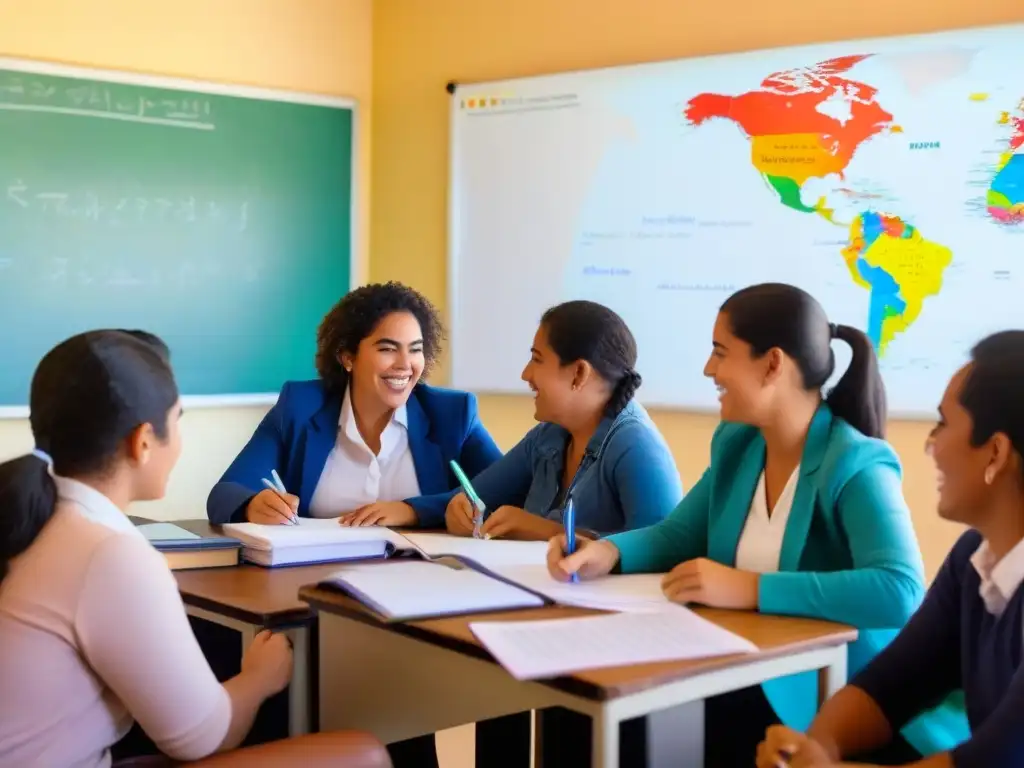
(627, 478)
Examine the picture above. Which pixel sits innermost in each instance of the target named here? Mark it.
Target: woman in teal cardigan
(800, 513)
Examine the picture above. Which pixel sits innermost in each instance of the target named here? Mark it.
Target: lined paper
(529, 650)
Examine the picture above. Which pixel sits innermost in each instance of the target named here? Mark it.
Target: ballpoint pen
(278, 487)
(569, 521)
(478, 505)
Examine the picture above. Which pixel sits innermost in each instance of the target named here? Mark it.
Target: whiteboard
(885, 176)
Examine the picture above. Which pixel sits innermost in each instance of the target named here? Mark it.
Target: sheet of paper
(419, 588)
(309, 532)
(530, 650)
(631, 593)
(165, 532)
(491, 553)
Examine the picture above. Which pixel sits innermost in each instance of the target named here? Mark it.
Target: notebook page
(309, 532)
(405, 589)
(530, 650)
(490, 553)
(631, 593)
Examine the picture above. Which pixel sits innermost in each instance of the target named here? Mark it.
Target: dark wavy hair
(88, 394)
(991, 391)
(360, 311)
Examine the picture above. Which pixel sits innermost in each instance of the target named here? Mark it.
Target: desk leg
(832, 677)
(299, 718)
(299, 715)
(605, 747)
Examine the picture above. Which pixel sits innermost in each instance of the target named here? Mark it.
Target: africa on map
(886, 177)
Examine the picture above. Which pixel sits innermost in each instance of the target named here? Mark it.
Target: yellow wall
(317, 46)
(419, 45)
(324, 46)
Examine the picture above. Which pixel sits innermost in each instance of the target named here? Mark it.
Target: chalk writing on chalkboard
(126, 209)
(24, 93)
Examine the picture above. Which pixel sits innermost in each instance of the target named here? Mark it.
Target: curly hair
(360, 311)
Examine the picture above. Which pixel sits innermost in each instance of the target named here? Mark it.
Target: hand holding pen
(457, 508)
(273, 506)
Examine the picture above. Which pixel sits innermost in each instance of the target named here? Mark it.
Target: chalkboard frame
(34, 66)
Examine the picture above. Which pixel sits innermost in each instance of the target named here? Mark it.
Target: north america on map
(808, 124)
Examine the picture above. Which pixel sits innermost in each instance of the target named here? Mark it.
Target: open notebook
(324, 541)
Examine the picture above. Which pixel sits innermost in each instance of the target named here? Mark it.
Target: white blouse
(761, 541)
(353, 476)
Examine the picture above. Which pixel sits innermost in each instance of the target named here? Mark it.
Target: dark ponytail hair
(88, 394)
(586, 330)
(776, 315)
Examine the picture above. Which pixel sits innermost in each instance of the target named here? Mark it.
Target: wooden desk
(403, 680)
(248, 598)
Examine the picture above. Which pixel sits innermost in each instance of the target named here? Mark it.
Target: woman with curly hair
(368, 441)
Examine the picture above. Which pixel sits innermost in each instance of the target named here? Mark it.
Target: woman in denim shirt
(595, 443)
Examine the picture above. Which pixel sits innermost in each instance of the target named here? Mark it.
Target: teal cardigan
(849, 553)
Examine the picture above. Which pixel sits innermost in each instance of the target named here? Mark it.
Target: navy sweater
(954, 642)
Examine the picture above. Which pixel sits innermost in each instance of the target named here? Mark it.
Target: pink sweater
(93, 635)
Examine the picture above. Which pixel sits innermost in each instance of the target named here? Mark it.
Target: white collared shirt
(760, 543)
(94, 506)
(353, 476)
(999, 580)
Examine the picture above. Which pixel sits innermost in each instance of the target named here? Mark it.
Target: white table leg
(832, 677)
(605, 740)
(299, 711)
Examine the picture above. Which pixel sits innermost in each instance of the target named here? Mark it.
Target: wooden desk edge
(332, 602)
(259, 619)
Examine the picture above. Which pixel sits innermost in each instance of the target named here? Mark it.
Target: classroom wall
(316, 46)
(419, 45)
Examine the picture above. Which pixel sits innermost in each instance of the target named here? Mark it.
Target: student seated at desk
(92, 628)
(800, 513)
(594, 442)
(968, 633)
(368, 441)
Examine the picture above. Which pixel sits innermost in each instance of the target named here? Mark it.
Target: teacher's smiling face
(389, 361)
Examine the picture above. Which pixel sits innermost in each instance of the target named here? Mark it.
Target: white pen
(278, 487)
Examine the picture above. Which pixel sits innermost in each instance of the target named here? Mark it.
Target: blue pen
(569, 521)
(278, 487)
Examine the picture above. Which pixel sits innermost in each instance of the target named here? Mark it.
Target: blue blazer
(849, 552)
(297, 435)
(627, 478)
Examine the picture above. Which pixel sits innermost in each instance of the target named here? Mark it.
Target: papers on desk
(405, 590)
(530, 650)
(492, 554)
(313, 540)
(630, 593)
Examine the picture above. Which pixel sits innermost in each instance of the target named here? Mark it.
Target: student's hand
(709, 583)
(785, 748)
(515, 523)
(458, 517)
(590, 560)
(269, 660)
(390, 513)
(269, 508)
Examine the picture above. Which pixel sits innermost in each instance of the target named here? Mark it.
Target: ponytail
(624, 391)
(28, 498)
(859, 396)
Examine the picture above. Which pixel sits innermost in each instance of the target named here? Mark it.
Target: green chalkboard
(218, 218)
